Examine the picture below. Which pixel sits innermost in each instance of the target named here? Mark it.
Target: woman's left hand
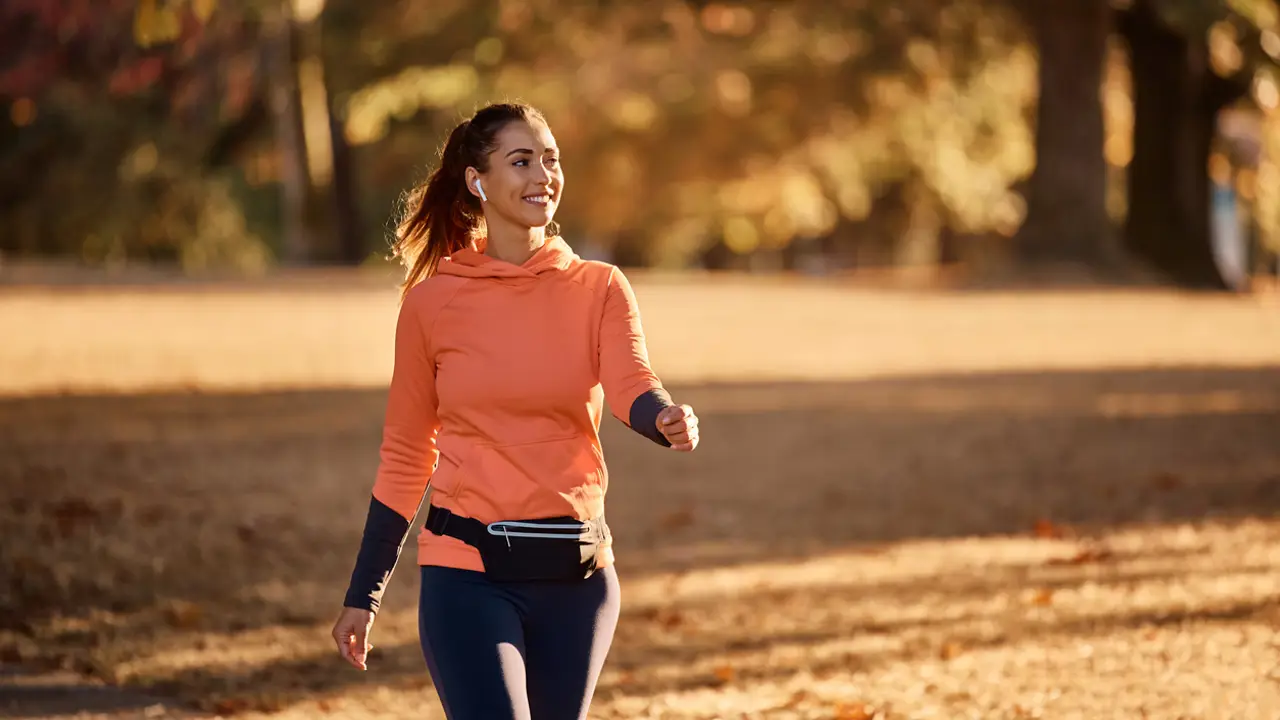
(679, 426)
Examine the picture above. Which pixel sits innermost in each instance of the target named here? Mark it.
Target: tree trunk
(286, 107)
(1067, 219)
(346, 206)
(1176, 99)
(351, 248)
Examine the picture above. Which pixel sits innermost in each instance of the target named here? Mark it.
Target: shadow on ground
(170, 522)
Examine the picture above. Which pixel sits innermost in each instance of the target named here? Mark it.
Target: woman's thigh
(569, 629)
(473, 641)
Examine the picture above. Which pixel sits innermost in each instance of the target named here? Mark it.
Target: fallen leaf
(1042, 597)
(71, 513)
(950, 649)
(1046, 529)
(231, 706)
(677, 519)
(854, 711)
(796, 699)
(183, 614)
(151, 515)
(1084, 556)
(1166, 481)
(725, 673)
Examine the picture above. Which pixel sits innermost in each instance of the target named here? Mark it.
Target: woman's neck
(513, 244)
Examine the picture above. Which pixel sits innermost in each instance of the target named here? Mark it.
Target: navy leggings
(516, 650)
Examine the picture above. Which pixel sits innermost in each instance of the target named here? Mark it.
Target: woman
(506, 346)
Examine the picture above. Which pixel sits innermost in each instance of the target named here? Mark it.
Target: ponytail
(441, 215)
(440, 218)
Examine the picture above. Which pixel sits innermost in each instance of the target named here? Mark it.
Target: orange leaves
(1046, 529)
(1089, 554)
(950, 650)
(855, 711)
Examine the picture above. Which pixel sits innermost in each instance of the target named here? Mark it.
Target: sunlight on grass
(262, 336)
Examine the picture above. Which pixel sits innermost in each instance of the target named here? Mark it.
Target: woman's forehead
(536, 137)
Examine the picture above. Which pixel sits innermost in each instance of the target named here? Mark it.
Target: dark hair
(441, 215)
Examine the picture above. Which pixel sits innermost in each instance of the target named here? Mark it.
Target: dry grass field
(907, 504)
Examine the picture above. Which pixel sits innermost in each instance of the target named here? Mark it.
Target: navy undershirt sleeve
(385, 531)
(643, 417)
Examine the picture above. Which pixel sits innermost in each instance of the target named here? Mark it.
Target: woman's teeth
(538, 199)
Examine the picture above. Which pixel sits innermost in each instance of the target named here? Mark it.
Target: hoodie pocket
(450, 473)
(545, 478)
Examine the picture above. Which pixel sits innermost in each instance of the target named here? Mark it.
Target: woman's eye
(553, 161)
(520, 163)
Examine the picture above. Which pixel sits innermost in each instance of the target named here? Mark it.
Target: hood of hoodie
(554, 255)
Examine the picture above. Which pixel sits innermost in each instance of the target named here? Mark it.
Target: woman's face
(524, 180)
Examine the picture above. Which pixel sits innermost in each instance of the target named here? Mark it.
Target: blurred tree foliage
(722, 133)
(120, 114)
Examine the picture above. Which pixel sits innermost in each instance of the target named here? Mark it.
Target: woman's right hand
(351, 633)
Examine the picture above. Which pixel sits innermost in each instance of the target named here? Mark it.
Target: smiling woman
(507, 346)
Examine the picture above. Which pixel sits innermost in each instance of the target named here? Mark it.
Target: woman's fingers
(351, 635)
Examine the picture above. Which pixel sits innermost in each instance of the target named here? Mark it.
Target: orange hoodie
(496, 399)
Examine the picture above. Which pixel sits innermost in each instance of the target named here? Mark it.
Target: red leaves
(135, 77)
(31, 73)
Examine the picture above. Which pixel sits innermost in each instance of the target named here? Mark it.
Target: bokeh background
(976, 300)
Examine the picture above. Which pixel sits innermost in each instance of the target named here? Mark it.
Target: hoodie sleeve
(407, 459)
(634, 392)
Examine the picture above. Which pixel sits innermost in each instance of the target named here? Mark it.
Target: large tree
(1177, 96)
(1067, 218)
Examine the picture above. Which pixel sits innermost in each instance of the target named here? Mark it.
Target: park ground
(908, 503)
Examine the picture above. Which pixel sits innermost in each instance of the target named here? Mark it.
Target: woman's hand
(351, 633)
(679, 426)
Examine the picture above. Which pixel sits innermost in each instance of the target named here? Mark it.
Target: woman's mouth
(539, 200)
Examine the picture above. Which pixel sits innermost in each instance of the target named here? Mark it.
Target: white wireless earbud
(481, 189)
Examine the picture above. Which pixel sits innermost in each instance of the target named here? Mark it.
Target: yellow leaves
(1262, 13)
(635, 112)
(1224, 49)
(371, 108)
(203, 9)
(156, 22)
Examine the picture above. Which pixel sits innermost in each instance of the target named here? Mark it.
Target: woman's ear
(473, 183)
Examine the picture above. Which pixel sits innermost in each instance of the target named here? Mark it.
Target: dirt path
(907, 505)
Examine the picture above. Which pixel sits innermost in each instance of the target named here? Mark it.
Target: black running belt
(441, 521)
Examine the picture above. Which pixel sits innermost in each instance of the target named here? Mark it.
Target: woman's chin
(539, 219)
